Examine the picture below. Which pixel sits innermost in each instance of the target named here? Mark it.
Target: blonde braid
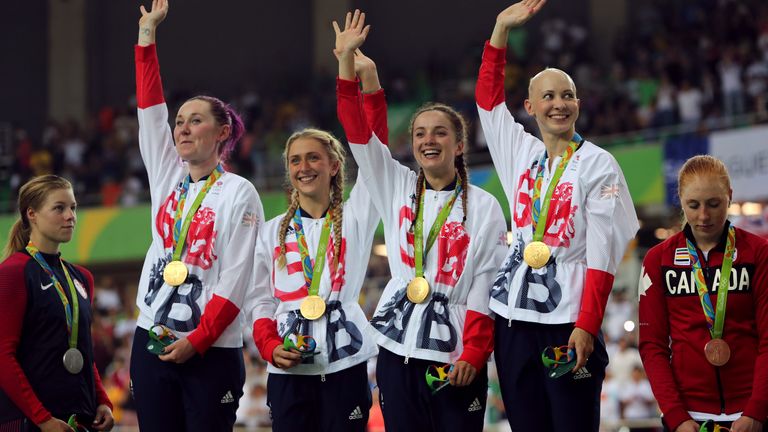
(337, 207)
(461, 168)
(284, 226)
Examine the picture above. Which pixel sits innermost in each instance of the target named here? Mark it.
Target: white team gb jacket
(460, 266)
(591, 218)
(220, 243)
(340, 332)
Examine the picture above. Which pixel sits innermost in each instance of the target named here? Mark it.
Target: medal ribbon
(437, 225)
(180, 231)
(72, 318)
(542, 206)
(311, 278)
(715, 318)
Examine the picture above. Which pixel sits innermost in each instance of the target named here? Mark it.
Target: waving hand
(150, 20)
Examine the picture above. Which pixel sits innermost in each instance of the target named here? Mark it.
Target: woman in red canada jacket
(707, 361)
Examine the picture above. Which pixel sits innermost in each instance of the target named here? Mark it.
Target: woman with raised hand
(572, 218)
(704, 312)
(186, 364)
(310, 266)
(445, 239)
(48, 380)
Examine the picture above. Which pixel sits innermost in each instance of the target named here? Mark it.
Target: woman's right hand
(284, 359)
(150, 20)
(688, 426)
(54, 425)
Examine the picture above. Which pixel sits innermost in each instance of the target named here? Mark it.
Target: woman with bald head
(572, 218)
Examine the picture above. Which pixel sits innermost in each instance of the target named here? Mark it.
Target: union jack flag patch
(609, 191)
(250, 219)
(682, 258)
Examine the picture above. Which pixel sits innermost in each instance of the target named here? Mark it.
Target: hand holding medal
(304, 345)
(558, 360)
(74, 424)
(437, 377)
(160, 337)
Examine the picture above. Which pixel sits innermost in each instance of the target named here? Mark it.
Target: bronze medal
(175, 273)
(312, 307)
(418, 290)
(73, 361)
(536, 254)
(717, 352)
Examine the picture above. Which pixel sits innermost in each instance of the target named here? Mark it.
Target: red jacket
(673, 330)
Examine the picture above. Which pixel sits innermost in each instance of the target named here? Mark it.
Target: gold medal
(717, 352)
(175, 273)
(312, 307)
(418, 290)
(536, 254)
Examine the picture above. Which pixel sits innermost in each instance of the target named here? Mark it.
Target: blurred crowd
(677, 63)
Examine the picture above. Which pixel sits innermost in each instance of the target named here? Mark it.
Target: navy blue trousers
(200, 395)
(334, 402)
(533, 401)
(409, 405)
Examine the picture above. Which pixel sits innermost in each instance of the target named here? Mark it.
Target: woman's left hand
(462, 374)
(103, 420)
(746, 424)
(179, 351)
(584, 343)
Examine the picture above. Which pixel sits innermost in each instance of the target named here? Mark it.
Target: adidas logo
(227, 398)
(581, 374)
(357, 414)
(475, 406)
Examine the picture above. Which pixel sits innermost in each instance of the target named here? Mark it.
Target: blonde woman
(309, 268)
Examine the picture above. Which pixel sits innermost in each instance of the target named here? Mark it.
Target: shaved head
(549, 72)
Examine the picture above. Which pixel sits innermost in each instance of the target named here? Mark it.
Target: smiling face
(54, 221)
(310, 168)
(705, 200)
(552, 102)
(435, 144)
(197, 134)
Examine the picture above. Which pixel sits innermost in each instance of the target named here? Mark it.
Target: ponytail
(18, 237)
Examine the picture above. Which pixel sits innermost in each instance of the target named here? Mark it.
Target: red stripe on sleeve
(218, 315)
(13, 303)
(490, 81)
(375, 106)
(349, 109)
(266, 337)
(149, 86)
(101, 393)
(597, 287)
(478, 339)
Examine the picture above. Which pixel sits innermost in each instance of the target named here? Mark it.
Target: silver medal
(73, 361)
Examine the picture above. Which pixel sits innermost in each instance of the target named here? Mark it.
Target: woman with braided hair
(445, 239)
(307, 322)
